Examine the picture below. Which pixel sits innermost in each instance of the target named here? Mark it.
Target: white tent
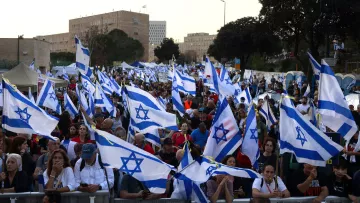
(353, 99)
(124, 65)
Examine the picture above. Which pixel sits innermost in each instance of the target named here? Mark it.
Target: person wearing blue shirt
(200, 135)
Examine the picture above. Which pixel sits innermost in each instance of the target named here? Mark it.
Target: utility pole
(18, 48)
(224, 10)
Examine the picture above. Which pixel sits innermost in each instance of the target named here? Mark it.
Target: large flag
(300, 137)
(83, 101)
(87, 85)
(101, 100)
(250, 145)
(225, 135)
(132, 160)
(47, 97)
(267, 113)
(211, 76)
(315, 66)
(20, 115)
(185, 83)
(334, 109)
(203, 168)
(307, 91)
(246, 94)
(175, 97)
(69, 106)
(105, 83)
(226, 87)
(82, 56)
(146, 114)
(187, 189)
(152, 137)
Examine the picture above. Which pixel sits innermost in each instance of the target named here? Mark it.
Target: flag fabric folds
(146, 114)
(32, 65)
(332, 105)
(246, 94)
(225, 135)
(2, 94)
(132, 160)
(101, 100)
(87, 85)
(152, 137)
(82, 56)
(315, 66)
(185, 83)
(267, 113)
(20, 115)
(175, 97)
(300, 137)
(69, 106)
(250, 145)
(203, 168)
(47, 97)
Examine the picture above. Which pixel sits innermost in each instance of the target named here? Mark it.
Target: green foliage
(62, 58)
(167, 50)
(7, 64)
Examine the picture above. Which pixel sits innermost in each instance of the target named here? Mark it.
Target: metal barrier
(103, 196)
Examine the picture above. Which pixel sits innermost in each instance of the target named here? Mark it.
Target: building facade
(198, 42)
(157, 32)
(28, 49)
(135, 25)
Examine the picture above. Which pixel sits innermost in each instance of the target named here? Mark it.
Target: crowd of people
(71, 162)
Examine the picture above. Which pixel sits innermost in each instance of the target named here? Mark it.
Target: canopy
(124, 65)
(353, 99)
(23, 77)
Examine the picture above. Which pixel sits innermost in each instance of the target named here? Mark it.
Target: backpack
(262, 183)
(82, 165)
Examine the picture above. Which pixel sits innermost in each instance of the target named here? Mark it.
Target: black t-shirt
(340, 189)
(299, 177)
(131, 185)
(351, 146)
(169, 158)
(266, 160)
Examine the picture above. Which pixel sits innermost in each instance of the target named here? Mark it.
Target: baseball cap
(168, 141)
(87, 151)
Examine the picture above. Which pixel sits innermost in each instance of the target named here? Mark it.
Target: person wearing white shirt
(266, 187)
(304, 107)
(90, 173)
(59, 175)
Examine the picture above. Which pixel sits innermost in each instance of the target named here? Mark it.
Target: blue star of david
(253, 131)
(228, 81)
(85, 84)
(210, 170)
(109, 84)
(52, 96)
(175, 88)
(24, 115)
(224, 132)
(143, 110)
(300, 136)
(125, 161)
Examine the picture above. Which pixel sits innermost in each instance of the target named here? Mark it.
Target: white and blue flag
(101, 100)
(83, 101)
(315, 66)
(246, 94)
(163, 101)
(250, 145)
(303, 139)
(32, 65)
(226, 87)
(87, 85)
(82, 56)
(203, 168)
(116, 86)
(351, 84)
(146, 114)
(48, 98)
(268, 114)
(69, 106)
(211, 76)
(225, 135)
(152, 137)
(313, 113)
(332, 105)
(105, 83)
(20, 115)
(2, 95)
(185, 83)
(175, 97)
(132, 160)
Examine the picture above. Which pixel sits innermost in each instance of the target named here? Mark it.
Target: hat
(98, 115)
(87, 151)
(168, 141)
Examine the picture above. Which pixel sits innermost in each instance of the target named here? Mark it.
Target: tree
(190, 56)
(167, 50)
(243, 38)
(62, 58)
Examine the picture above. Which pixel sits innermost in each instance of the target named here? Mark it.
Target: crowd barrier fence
(103, 197)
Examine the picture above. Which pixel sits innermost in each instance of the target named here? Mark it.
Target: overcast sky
(43, 17)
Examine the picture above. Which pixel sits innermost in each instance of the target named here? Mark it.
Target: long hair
(226, 158)
(50, 162)
(16, 143)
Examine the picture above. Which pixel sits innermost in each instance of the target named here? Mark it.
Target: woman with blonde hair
(59, 175)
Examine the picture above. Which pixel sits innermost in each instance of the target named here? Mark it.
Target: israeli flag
(211, 76)
(20, 115)
(251, 77)
(69, 106)
(87, 85)
(315, 66)
(203, 168)
(313, 112)
(82, 56)
(185, 83)
(163, 101)
(250, 145)
(266, 112)
(91, 102)
(304, 140)
(226, 87)
(101, 100)
(307, 92)
(105, 83)
(32, 65)
(116, 86)
(238, 89)
(246, 94)
(132, 160)
(225, 135)
(124, 99)
(152, 137)
(176, 99)
(187, 189)
(332, 104)
(2, 95)
(351, 85)
(47, 97)
(83, 101)
(146, 114)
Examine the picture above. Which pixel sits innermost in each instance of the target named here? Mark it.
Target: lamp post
(18, 48)
(224, 10)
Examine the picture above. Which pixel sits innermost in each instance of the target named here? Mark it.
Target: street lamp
(224, 10)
